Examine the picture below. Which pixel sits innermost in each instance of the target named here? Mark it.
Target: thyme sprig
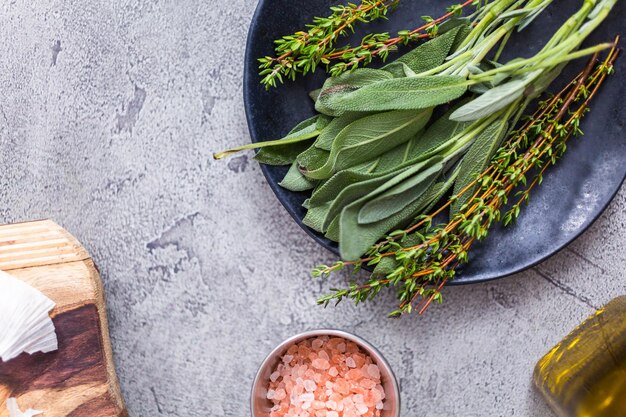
(303, 51)
(381, 44)
(421, 259)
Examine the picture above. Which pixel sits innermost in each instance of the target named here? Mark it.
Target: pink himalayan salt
(317, 344)
(361, 409)
(350, 362)
(367, 383)
(320, 364)
(354, 374)
(280, 394)
(310, 385)
(304, 384)
(359, 359)
(373, 371)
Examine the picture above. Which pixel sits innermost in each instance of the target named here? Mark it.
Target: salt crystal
(359, 359)
(367, 383)
(317, 343)
(310, 385)
(380, 389)
(341, 347)
(331, 405)
(318, 405)
(287, 358)
(274, 376)
(358, 399)
(270, 394)
(332, 414)
(361, 409)
(307, 397)
(379, 405)
(373, 371)
(320, 364)
(333, 371)
(280, 394)
(342, 387)
(350, 362)
(354, 374)
(324, 355)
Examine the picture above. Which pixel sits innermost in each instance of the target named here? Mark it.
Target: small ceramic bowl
(261, 406)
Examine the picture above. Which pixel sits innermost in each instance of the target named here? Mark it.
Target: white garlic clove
(25, 325)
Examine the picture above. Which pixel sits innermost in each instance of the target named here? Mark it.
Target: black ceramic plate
(573, 194)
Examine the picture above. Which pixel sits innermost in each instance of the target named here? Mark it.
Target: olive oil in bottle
(585, 374)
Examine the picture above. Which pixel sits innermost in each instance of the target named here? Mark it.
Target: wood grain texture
(78, 379)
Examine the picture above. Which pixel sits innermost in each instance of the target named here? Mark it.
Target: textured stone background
(109, 111)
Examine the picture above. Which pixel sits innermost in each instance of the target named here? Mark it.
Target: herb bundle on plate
(375, 161)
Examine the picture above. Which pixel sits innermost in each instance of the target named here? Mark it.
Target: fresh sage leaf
(399, 70)
(294, 144)
(439, 136)
(313, 157)
(282, 154)
(330, 132)
(491, 101)
(454, 22)
(476, 160)
(398, 156)
(434, 194)
(333, 230)
(424, 57)
(355, 191)
(369, 137)
(315, 216)
(345, 83)
(295, 181)
(322, 121)
(343, 188)
(439, 189)
(401, 195)
(315, 94)
(355, 239)
(401, 94)
(460, 37)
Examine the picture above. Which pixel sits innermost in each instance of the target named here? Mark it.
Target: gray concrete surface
(109, 111)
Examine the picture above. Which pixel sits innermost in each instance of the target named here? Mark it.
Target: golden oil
(585, 374)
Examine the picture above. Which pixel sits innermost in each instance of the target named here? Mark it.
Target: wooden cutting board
(79, 379)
